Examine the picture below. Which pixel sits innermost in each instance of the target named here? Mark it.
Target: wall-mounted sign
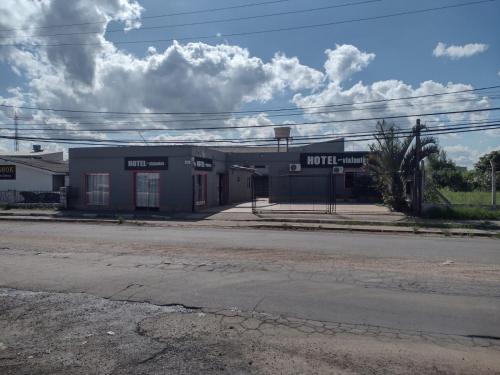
(326, 160)
(7, 172)
(203, 164)
(146, 163)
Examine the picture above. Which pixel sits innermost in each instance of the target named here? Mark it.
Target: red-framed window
(97, 189)
(147, 189)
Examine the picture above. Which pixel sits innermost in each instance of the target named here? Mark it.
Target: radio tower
(16, 133)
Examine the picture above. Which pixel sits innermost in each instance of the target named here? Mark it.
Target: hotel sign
(327, 160)
(146, 163)
(203, 164)
(7, 172)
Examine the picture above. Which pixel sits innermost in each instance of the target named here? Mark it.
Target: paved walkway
(263, 205)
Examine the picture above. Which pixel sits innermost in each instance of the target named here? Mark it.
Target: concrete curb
(443, 225)
(437, 225)
(261, 225)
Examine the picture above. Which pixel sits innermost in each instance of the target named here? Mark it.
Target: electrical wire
(144, 121)
(377, 118)
(345, 136)
(265, 31)
(234, 19)
(211, 10)
(134, 130)
(251, 111)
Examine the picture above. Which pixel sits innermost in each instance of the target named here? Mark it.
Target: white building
(31, 172)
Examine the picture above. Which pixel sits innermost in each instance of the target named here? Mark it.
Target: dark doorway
(261, 186)
(223, 188)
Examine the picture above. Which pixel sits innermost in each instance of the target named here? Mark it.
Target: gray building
(192, 178)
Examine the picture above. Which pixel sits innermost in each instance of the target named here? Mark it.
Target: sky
(183, 59)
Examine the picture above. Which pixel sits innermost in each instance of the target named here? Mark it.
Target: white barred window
(97, 189)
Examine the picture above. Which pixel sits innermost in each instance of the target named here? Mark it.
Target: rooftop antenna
(282, 133)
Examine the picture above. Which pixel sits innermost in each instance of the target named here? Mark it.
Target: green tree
(442, 172)
(392, 161)
(482, 170)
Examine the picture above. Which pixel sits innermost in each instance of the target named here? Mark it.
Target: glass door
(200, 189)
(147, 190)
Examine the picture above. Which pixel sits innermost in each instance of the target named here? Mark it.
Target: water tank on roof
(282, 132)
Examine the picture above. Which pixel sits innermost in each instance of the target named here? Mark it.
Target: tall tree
(393, 162)
(442, 172)
(482, 170)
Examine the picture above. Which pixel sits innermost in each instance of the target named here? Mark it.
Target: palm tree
(392, 161)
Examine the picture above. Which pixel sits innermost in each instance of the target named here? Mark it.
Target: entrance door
(147, 190)
(199, 191)
(223, 189)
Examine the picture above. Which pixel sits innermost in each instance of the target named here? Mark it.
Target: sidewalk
(396, 223)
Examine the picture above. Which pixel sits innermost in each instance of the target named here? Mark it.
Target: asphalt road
(383, 280)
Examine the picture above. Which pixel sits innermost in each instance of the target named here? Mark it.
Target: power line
(202, 143)
(223, 20)
(252, 111)
(399, 135)
(434, 132)
(349, 136)
(143, 120)
(134, 130)
(266, 31)
(392, 117)
(211, 10)
(161, 123)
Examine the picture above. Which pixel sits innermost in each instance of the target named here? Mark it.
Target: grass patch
(469, 197)
(462, 213)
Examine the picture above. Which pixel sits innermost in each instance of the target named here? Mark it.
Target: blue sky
(402, 47)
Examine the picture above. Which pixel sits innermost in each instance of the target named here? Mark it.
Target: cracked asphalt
(211, 300)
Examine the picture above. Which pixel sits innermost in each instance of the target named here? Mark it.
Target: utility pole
(422, 184)
(16, 132)
(417, 185)
(493, 184)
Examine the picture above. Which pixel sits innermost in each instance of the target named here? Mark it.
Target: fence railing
(16, 196)
(294, 193)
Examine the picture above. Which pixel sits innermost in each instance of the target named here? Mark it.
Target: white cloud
(465, 155)
(289, 72)
(195, 77)
(389, 89)
(344, 61)
(462, 155)
(459, 52)
(29, 21)
(181, 78)
(336, 91)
